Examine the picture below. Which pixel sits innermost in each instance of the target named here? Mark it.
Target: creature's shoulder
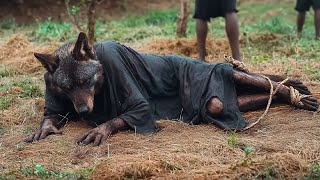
(107, 46)
(110, 52)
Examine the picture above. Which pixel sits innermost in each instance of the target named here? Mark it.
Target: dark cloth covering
(207, 9)
(304, 5)
(141, 88)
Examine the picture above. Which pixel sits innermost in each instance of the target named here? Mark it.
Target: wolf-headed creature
(114, 88)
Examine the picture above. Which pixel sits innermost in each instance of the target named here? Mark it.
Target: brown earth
(31, 11)
(285, 143)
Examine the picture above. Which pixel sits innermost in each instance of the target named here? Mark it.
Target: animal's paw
(298, 85)
(307, 102)
(96, 136)
(42, 133)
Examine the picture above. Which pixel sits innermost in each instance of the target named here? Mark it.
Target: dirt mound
(215, 48)
(268, 39)
(17, 54)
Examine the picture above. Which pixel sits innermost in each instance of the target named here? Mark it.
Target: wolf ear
(48, 61)
(82, 49)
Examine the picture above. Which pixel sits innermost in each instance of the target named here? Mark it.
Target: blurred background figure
(304, 5)
(207, 9)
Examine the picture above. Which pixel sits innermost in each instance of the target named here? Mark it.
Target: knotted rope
(236, 64)
(295, 96)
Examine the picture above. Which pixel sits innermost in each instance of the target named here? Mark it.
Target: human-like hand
(96, 136)
(43, 132)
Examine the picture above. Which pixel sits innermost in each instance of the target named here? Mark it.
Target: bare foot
(298, 85)
(309, 103)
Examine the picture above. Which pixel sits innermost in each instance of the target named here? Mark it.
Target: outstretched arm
(56, 114)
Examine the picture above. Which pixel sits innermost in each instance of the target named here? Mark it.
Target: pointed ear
(50, 62)
(82, 49)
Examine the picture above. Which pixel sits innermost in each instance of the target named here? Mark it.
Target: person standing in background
(207, 9)
(304, 5)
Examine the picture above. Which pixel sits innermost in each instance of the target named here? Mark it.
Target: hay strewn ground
(285, 144)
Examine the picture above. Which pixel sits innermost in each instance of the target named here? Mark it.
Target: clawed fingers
(79, 142)
(303, 90)
(298, 85)
(42, 133)
(92, 137)
(310, 103)
(97, 140)
(87, 138)
(29, 139)
(56, 131)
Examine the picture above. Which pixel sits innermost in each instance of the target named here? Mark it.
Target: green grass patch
(8, 24)
(5, 72)
(14, 87)
(313, 72)
(29, 88)
(277, 25)
(232, 140)
(314, 172)
(5, 102)
(270, 172)
(39, 171)
(53, 31)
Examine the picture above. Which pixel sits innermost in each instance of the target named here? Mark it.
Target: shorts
(304, 5)
(206, 9)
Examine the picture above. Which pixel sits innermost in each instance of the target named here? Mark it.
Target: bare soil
(31, 11)
(285, 143)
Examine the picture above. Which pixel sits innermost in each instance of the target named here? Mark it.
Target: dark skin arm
(49, 125)
(101, 133)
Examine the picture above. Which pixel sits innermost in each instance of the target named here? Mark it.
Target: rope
(295, 95)
(241, 66)
(236, 64)
(272, 93)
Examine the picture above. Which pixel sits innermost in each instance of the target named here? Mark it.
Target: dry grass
(285, 143)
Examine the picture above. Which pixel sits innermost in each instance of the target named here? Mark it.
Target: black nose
(83, 110)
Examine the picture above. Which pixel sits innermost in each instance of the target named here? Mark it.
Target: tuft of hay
(17, 54)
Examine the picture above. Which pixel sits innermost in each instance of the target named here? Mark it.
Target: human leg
(301, 7)
(283, 93)
(253, 102)
(232, 30)
(204, 10)
(202, 31)
(300, 22)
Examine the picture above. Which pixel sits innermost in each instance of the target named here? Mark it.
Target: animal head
(74, 70)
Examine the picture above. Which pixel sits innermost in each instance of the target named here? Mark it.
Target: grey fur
(71, 72)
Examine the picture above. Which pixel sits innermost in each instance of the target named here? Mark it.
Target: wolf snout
(83, 110)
